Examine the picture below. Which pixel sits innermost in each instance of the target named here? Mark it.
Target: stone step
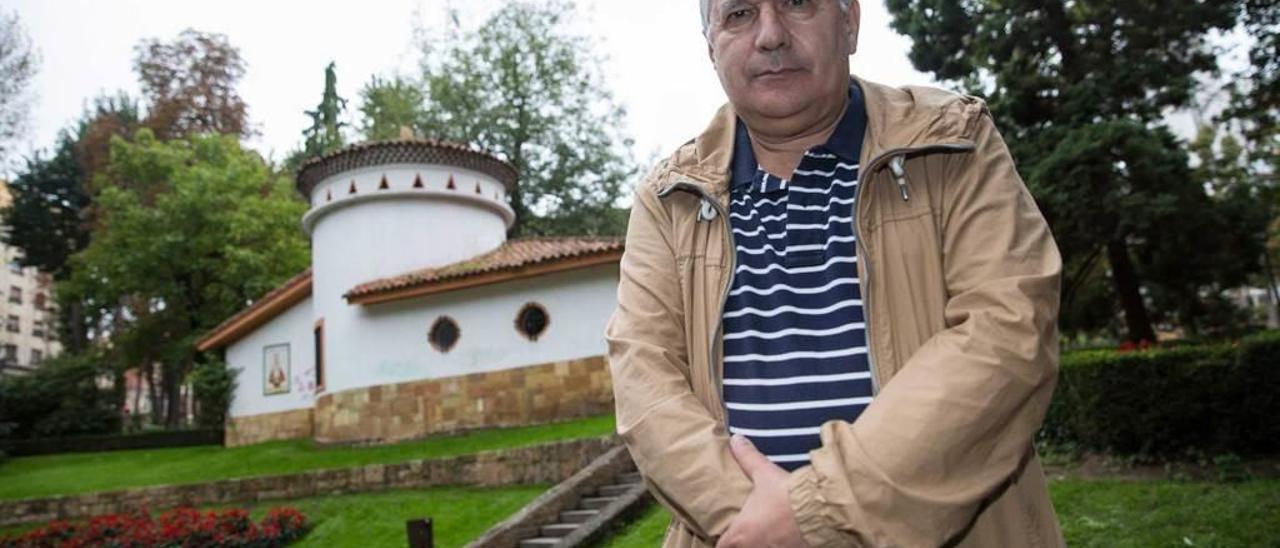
(539, 542)
(577, 516)
(595, 503)
(558, 529)
(630, 477)
(614, 490)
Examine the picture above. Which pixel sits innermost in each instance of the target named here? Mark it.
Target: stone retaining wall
(513, 397)
(550, 463)
(285, 425)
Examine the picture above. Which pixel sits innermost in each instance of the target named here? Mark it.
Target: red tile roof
(291, 292)
(514, 259)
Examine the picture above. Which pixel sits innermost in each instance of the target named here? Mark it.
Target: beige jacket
(960, 279)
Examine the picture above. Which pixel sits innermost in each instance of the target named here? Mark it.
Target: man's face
(777, 57)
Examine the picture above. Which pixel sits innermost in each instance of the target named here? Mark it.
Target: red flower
(177, 528)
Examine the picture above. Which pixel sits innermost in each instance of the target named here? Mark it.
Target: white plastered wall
(387, 343)
(295, 328)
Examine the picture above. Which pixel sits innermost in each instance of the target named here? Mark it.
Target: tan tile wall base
(528, 395)
(286, 425)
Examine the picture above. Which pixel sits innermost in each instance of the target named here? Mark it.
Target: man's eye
(737, 15)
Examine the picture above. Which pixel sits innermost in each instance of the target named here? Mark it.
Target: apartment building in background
(28, 329)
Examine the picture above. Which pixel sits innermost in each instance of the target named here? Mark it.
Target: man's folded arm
(956, 422)
(677, 444)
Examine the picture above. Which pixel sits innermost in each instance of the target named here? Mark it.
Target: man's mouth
(778, 72)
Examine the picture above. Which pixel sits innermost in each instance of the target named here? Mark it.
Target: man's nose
(771, 31)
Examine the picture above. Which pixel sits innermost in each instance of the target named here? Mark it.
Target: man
(836, 319)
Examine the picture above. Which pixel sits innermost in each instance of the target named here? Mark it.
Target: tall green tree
(191, 231)
(1257, 100)
(389, 104)
(325, 134)
(45, 219)
(51, 215)
(1245, 201)
(1080, 88)
(523, 86)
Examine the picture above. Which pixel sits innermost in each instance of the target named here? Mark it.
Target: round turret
(382, 209)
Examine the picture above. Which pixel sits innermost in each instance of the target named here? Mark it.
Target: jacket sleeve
(956, 423)
(677, 444)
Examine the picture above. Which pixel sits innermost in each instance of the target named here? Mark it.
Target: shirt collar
(845, 142)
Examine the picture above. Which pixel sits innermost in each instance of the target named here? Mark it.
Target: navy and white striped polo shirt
(795, 353)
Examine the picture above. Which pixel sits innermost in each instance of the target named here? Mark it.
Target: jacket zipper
(704, 214)
(896, 157)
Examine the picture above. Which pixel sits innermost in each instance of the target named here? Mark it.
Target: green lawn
(645, 532)
(1119, 513)
(1168, 513)
(459, 515)
(29, 477)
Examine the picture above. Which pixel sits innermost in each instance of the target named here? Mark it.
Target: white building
(417, 315)
(29, 335)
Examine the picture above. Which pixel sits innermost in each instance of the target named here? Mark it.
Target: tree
(325, 134)
(388, 105)
(190, 85)
(191, 231)
(45, 218)
(1079, 89)
(107, 117)
(523, 87)
(1257, 98)
(51, 214)
(213, 385)
(19, 62)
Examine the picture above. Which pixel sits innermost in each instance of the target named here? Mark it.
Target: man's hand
(766, 519)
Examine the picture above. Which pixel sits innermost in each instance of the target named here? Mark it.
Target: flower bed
(180, 527)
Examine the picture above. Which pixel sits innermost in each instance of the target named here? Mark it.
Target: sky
(654, 56)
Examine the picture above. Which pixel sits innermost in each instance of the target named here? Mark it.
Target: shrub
(60, 398)
(1209, 399)
(176, 528)
(213, 384)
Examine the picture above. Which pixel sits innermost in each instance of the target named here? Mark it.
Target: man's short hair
(706, 12)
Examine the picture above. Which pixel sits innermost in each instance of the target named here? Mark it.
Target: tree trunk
(137, 400)
(173, 392)
(71, 320)
(120, 396)
(174, 377)
(1273, 298)
(152, 394)
(1137, 321)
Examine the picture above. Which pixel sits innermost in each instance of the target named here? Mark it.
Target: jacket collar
(897, 119)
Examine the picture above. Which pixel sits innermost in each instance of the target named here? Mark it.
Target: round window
(444, 334)
(532, 321)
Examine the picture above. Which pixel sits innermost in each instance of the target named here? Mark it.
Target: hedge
(1207, 400)
(117, 442)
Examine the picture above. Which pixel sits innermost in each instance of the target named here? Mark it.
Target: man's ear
(711, 52)
(855, 24)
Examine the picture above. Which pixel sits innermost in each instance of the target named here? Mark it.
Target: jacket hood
(897, 118)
